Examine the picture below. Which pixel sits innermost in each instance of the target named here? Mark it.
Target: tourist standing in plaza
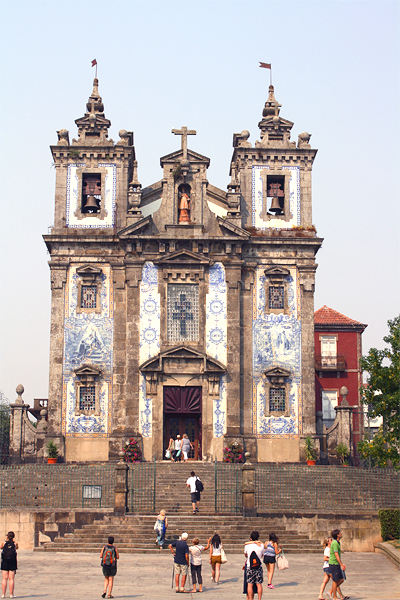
(8, 563)
(186, 445)
(109, 556)
(194, 493)
(254, 552)
(327, 545)
(336, 567)
(160, 526)
(215, 556)
(180, 550)
(196, 562)
(271, 552)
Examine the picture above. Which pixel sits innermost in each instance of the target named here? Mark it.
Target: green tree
(382, 398)
(4, 428)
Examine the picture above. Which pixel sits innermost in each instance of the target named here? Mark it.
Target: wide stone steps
(135, 534)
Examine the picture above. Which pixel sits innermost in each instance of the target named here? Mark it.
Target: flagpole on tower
(94, 64)
(267, 66)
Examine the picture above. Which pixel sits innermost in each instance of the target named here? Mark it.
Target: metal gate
(228, 486)
(142, 487)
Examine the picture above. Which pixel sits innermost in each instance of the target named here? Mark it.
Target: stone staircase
(134, 533)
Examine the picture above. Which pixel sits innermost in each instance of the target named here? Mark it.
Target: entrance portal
(182, 414)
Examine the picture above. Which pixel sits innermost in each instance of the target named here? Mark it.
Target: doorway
(182, 414)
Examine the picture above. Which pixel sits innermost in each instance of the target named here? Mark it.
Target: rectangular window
(329, 401)
(277, 399)
(328, 351)
(88, 296)
(183, 312)
(87, 398)
(276, 297)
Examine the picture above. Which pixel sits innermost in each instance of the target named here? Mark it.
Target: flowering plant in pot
(233, 453)
(52, 452)
(311, 453)
(132, 451)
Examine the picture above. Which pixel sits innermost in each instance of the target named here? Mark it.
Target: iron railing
(142, 487)
(57, 486)
(228, 487)
(325, 487)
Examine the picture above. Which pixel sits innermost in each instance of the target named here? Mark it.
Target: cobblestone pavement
(70, 576)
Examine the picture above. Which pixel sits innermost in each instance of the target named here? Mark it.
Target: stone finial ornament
(20, 390)
(303, 140)
(63, 137)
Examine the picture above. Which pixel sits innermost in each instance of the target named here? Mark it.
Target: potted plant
(52, 453)
(311, 453)
(342, 452)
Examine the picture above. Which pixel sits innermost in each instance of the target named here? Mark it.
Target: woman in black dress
(8, 563)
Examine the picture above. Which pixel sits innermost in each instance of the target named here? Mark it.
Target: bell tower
(96, 183)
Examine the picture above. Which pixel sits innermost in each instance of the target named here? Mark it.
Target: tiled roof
(328, 316)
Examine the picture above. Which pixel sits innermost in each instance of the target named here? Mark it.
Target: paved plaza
(70, 576)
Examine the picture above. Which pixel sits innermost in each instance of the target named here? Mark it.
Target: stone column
(58, 271)
(18, 410)
(234, 403)
(307, 278)
(121, 487)
(248, 489)
(344, 415)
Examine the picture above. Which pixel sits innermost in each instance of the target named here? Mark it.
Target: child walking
(109, 556)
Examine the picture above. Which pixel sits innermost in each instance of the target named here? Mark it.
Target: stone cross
(184, 132)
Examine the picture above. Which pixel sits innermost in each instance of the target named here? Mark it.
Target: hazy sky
(161, 65)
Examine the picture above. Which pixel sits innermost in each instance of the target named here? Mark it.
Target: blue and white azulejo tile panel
(88, 340)
(216, 314)
(276, 343)
(149, 339)
(219, 409)
(73, 200)
(259, 199)
(145, 409)
(149, 320)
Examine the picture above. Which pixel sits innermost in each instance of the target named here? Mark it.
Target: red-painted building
(337, 363)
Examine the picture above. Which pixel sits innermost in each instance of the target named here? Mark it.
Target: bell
(275, 206)
(91, 204)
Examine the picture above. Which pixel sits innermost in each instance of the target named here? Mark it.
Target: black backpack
(9, 552)
(199, 485)
(109, 557)
(254, 560)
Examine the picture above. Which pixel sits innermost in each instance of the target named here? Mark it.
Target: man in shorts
(336, 567)
(194, 494)
(181, 561)
(254, 552)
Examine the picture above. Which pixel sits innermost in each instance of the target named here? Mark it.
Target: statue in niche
(184, 204)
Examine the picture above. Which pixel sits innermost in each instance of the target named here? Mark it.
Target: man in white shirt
(194, 494)
(254, 552)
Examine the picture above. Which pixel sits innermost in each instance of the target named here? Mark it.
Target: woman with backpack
(109, 556)
(8, 563)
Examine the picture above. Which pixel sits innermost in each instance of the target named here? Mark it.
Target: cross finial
(184, 132)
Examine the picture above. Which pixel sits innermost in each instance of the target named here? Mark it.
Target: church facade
(181, 307)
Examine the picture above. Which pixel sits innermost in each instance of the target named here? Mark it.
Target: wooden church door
(182, 414)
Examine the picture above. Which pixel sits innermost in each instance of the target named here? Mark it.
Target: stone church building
(181, 307)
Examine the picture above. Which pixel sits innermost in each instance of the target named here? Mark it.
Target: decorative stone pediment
(89, 273)
(178, 156)
(233, 229)
(277, 375)
(87, 372)
(276, 274)
(135, 228)
(183, 359)
(182, 257)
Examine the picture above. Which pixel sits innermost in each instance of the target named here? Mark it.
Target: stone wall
(32, 527)
(361, 530)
